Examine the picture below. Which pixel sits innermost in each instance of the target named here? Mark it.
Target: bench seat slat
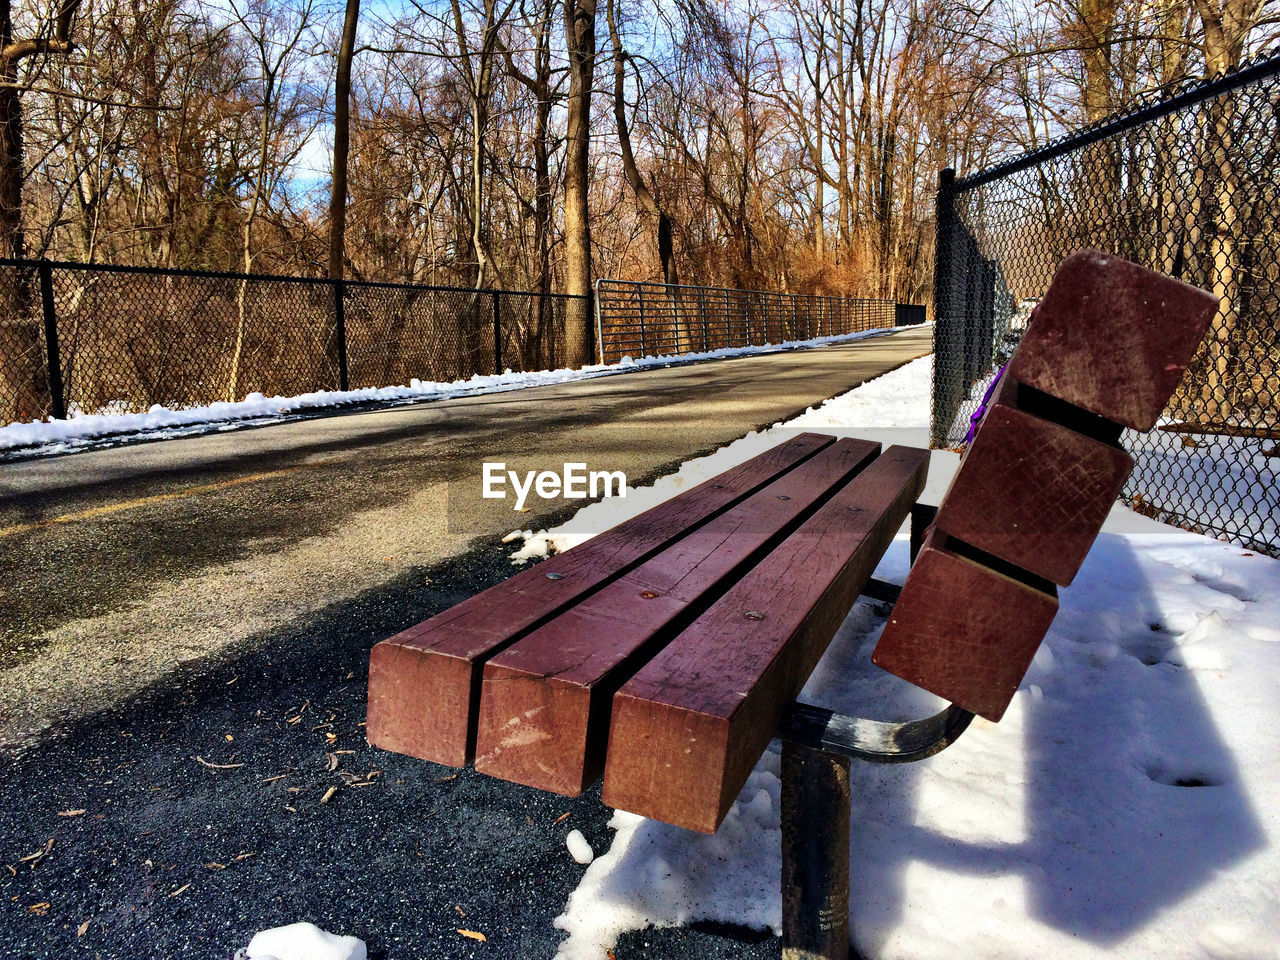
(689, 726)
(545, 700)
(424, 683)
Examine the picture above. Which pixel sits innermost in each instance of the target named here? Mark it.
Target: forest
(787, 145)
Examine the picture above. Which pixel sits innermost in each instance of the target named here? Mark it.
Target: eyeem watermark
(573, 482)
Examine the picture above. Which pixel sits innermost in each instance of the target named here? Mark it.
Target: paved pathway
(189, 599)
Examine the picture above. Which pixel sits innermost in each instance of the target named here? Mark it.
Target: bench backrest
(1104, 350)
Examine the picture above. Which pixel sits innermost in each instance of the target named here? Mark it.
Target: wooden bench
(667, 652)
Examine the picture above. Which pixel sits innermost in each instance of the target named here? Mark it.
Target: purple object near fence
(982, 407)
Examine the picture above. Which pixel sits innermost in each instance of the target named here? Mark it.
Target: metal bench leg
(815, 854)
(817, 746)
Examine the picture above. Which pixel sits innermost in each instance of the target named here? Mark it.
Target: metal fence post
(596, 309)
(943, 402)
(57, 397)
(640, 299)
(340, 331)
(702, 304)
(673, 294)
(497, 335)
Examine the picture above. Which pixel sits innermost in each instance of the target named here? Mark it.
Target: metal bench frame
(818, 746)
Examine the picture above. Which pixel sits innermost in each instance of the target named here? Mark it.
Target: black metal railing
(1186, 185)
(89, 338)
(639, 319)
(909, 314)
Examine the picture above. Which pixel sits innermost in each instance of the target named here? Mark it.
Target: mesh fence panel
(24, 382)
(657, 319)
(128, 338)
(398, 334)
(533, 332)
(1189, 186)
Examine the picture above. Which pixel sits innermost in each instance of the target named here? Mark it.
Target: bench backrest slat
(1105, 349)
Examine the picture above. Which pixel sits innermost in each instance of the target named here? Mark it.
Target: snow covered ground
(59, 436)
(1128, 804)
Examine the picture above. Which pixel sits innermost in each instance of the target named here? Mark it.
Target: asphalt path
(184, 633)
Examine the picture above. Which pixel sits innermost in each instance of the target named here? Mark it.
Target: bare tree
(13, 52)
(276, 36)
(666, 253)
(580, 46)
(341, 141)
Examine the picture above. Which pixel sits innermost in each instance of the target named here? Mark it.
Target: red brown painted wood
(544, 702)
(424, 683)
(964, 631)
(1113, 337)
(690, 725)
(1033, 492)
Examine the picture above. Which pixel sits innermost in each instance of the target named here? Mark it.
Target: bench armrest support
(875, 741)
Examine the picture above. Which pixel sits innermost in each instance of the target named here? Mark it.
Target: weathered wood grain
(424, 683)
(964, 630)
(1033, 492)
(690, 725)
(544, 702)
(1113, 337)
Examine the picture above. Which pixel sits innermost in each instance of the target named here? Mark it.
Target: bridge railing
(638, 319)
(80, 338)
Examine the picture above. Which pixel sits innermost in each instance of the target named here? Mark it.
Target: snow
(1123, 808)
(302, 941)
(579, 848)
(1175, 470)
(81, 429)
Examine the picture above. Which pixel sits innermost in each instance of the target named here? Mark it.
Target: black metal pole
(57, 399)
(943, 402)
(702, 302)
(497, 335)
(640, 300)
(340, 330)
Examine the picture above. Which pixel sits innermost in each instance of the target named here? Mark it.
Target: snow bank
(58, 436)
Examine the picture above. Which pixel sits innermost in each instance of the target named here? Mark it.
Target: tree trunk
(665, 253)
(22, 343)
(341, 142)
(12, 237)
(1225, 29)
(580, 41)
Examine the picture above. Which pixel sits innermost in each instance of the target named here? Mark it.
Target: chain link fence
(85, 338)
(1187, 185)
(640, 319)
